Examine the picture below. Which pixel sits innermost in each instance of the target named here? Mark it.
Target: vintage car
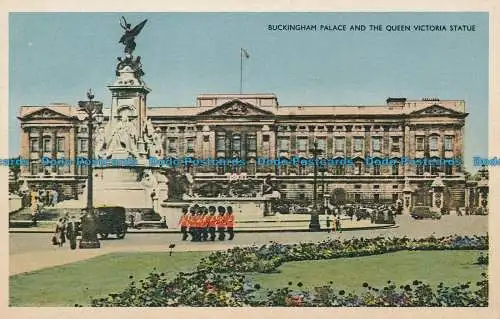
(109, 220)
(421, 212)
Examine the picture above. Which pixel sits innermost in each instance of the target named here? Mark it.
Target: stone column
(54, 148)
(368, 148)
(25, 151)
(406, 147)
(272, 143)
(72, 146)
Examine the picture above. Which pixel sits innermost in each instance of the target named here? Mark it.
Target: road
(23, 243)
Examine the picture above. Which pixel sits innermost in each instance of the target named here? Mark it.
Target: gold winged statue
(128, 39)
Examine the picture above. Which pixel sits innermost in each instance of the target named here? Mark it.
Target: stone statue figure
(157, 143)
(128, 39)
(124, 137)
(100, 143)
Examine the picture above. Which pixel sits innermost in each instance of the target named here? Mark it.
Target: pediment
(44, 114)
(236, 108)
(435, 110)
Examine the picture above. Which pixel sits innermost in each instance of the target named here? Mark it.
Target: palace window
(358, 144)
(321, 144)
(83, 145)
(448, 143)
(395, 144)
(206, 138)
(172, 145)
(236, 145)
(394, 197)
(47, 144)
(302, 144)
(448, 169)
(265, 138)
(339, 169)
(190, 145)
(358, 168)
(395, 169)
(251, 168)
(376, 169)
(420, 170)
(433, 143)
(220, 143)
(434, 169)
(376, 186)
(252, 143)
(339, 144)
(84, 170)
(35, 168)
(357, 198)
(376, 147)
(376, 198)
(60, 144)
(284, 145)
(34, 145)
(419, 141)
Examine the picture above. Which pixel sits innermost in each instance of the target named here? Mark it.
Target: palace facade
(253, 126)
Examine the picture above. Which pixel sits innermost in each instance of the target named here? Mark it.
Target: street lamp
(314, 222)
(93, 109)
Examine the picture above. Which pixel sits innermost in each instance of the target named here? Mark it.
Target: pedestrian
(334, 224)
(183, 222)
(212, 223)
(55, 197)
(328, 223)
(60, 231)
(338, 225)
(220, 222)
(34, 195)
(229, 222)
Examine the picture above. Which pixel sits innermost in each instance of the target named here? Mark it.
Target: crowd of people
(207, 223)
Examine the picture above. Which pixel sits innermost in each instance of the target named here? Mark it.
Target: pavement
(242, 227)
(31, 251)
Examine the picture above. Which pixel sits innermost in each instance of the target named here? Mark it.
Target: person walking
(328, 224)
(229, 222)
(212, 223)
(338, 225)
(60, 231)
(55, 196)
(220, 222)
(334, 224)
(183, 223)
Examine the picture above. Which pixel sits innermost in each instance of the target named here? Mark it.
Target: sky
(57, 57)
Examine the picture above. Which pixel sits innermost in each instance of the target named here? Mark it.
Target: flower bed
(268, 258)
(219, 280)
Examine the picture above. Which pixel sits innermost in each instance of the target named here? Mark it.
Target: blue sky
(56, 57)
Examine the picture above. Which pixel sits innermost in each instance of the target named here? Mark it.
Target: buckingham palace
(255, 127)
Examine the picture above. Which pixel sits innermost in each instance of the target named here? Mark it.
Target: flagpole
(241, 70)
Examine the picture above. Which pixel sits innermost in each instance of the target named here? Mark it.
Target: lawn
(450, 267)
(75, 283)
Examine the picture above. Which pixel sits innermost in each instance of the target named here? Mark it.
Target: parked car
(421, 212)
(109, 220)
